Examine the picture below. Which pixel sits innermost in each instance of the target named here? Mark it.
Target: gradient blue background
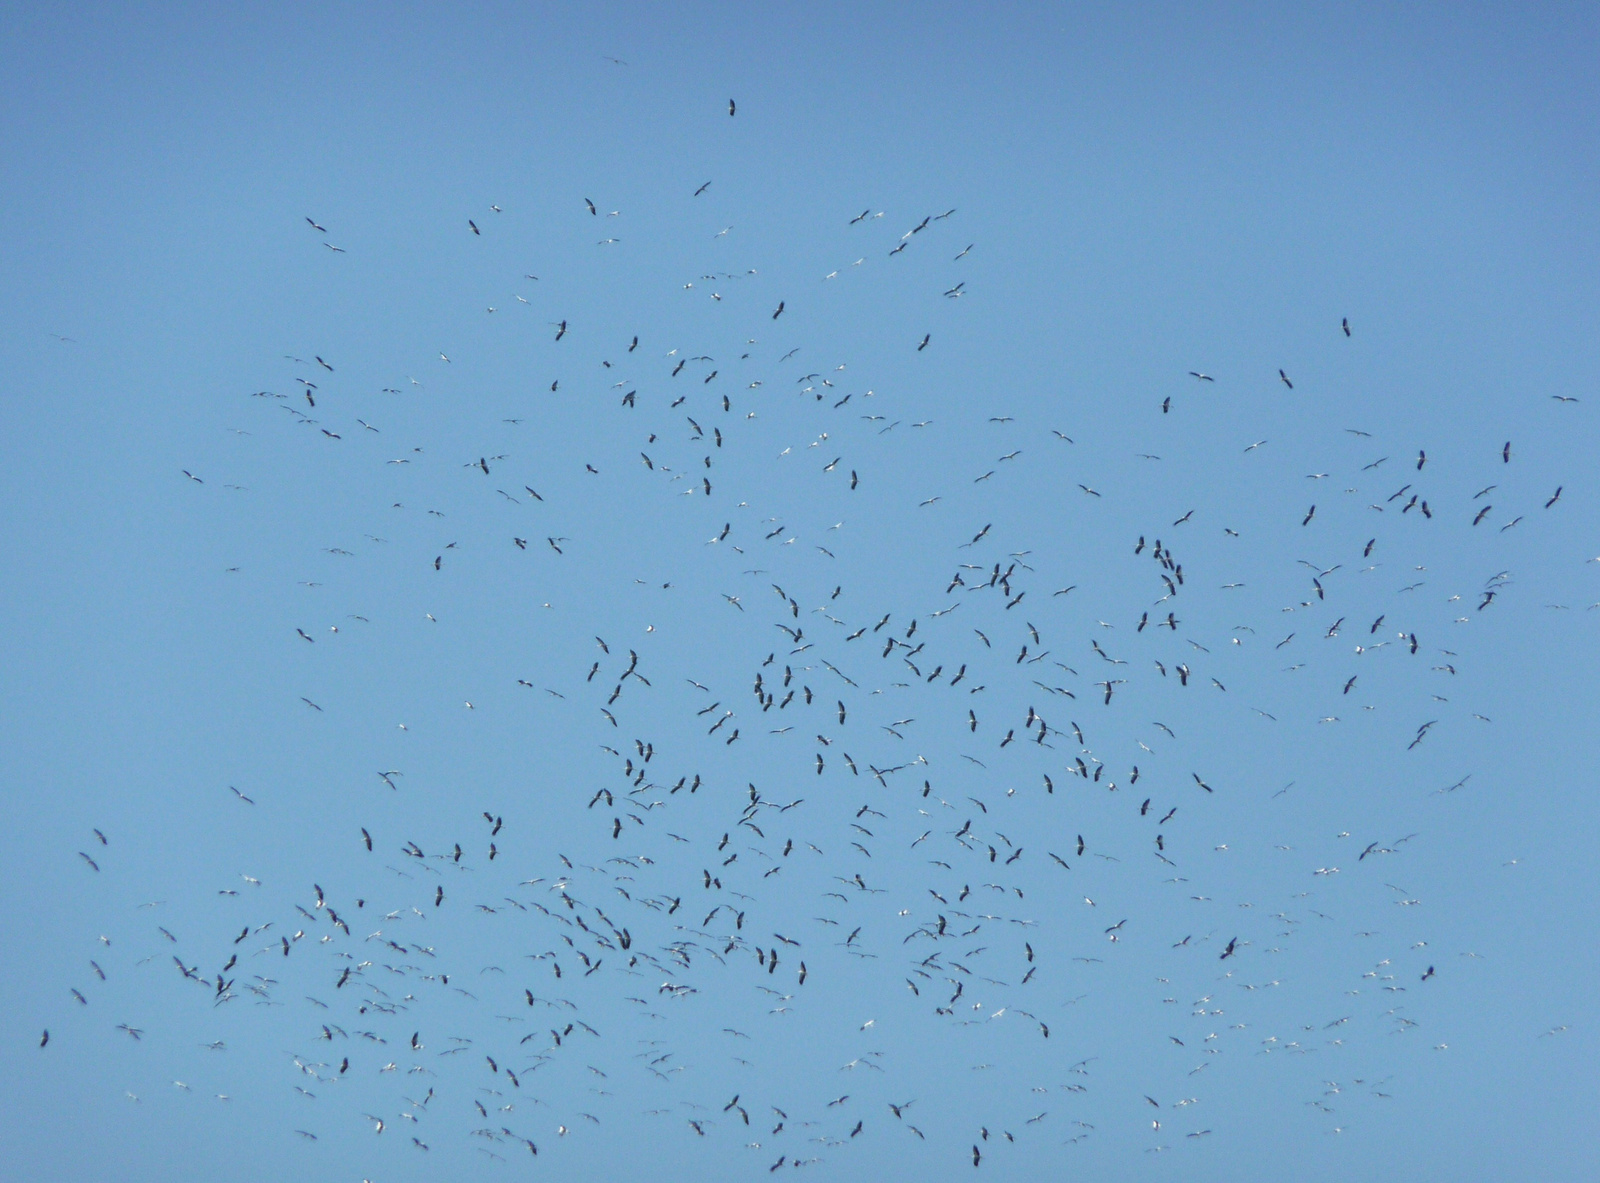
(1149, 191)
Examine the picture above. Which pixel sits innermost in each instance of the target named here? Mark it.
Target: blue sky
(1136, 193)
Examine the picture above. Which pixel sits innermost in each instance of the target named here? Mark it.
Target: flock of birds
(950, 794)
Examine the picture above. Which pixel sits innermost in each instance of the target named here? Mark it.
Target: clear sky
(363, 481)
